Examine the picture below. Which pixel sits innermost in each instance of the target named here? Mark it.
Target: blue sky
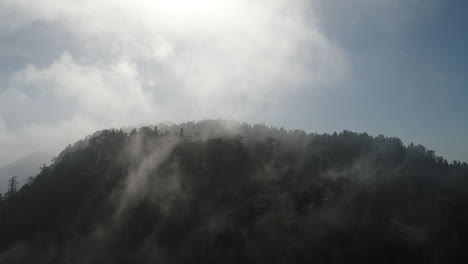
(397, 68)
(410, 79)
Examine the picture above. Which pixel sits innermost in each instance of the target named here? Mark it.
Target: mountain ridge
(23, 168)
(222, 191)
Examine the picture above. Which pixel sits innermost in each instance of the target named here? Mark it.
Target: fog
(224, 190)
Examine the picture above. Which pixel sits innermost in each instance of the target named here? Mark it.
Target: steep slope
(23, 168)
(226, 192)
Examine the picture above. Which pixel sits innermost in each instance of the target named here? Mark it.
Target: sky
(392, 67)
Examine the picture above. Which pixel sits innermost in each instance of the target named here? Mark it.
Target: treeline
(226, 192)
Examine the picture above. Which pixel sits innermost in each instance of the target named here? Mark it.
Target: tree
(12, 187)
(30, 180)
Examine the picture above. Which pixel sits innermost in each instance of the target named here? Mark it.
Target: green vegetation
(226, 192)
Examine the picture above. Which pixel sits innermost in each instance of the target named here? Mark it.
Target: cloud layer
(126, 62)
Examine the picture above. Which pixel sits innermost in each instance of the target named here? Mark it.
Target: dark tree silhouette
(225, 192)
(12, 186)
(30, 180)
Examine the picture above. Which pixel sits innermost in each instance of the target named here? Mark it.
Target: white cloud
(67, 100)
(143, 61)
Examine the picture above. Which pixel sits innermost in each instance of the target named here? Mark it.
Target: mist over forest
(219, 191)
(118, 145)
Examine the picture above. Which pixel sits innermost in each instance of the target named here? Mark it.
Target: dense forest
(220, 191)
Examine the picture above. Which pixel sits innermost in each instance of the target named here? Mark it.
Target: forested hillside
(225, 192)
(23, 168)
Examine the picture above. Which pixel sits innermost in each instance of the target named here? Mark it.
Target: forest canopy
(219, 191)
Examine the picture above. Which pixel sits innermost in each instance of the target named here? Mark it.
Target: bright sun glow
(188, 12)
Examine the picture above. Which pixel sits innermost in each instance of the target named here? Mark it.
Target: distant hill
(24, 167)
(220, 191)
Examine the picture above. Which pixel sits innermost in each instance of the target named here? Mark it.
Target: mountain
(23, 168)
(220, 191)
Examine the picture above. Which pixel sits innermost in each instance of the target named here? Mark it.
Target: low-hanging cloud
(143, 179)
(145, 61)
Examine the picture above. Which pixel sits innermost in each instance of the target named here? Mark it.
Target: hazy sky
(392, 67)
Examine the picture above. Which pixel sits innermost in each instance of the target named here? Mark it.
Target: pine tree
(12, 187)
